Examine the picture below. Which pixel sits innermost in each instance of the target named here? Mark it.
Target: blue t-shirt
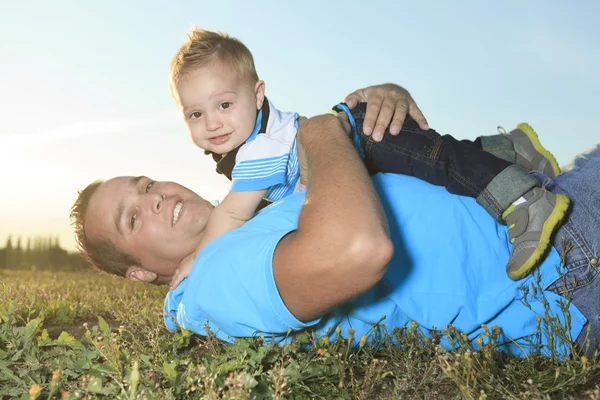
(448, 268)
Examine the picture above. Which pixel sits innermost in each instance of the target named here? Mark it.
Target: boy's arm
(236, 209)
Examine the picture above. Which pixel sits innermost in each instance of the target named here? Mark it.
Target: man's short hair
(101, 253)
(203, 48)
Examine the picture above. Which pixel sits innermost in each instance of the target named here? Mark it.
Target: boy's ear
(139, 274)
(259, 93)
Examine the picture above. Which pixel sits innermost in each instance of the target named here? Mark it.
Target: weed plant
(84, 335)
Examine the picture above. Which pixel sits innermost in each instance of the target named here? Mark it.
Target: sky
(84, 85)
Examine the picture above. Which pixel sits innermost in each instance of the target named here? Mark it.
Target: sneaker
(530, 226)
(530, 152)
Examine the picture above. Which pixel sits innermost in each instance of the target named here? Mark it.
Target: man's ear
(139, 274)
(259, 93)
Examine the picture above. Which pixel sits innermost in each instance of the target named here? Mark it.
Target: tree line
(38, 252)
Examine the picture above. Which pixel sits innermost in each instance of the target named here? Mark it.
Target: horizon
(85, 86)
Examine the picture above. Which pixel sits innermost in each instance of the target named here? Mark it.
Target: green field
(85, 335)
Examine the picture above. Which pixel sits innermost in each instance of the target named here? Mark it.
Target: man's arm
(341, 247)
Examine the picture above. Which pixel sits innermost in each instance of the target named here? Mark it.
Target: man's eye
(225, 106)
(133, 218)
(149, 186)
(195, 115)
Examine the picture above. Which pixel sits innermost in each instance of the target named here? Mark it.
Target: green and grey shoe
(530, 226)
(529, 150)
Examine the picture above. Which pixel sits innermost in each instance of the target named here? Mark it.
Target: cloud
(154, 121)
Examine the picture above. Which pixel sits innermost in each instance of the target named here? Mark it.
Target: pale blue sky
(83, 85)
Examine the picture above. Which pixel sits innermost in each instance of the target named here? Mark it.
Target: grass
(84, 335)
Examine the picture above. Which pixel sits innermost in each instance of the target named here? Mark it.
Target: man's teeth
(178, 208)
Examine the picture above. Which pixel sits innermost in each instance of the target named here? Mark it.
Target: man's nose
(213, 122)
(156, 202)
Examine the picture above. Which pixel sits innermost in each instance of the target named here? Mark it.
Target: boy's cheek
(195, 135)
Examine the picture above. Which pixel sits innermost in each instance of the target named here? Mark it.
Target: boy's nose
(213, 122)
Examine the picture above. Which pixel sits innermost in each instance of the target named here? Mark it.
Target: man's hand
(385, 103)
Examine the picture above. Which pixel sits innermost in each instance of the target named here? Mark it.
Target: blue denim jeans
(580, 235)
(460, 166)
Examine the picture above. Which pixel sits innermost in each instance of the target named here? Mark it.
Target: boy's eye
(195, 115)
(133, 218)
(149, 186)
(225, 105)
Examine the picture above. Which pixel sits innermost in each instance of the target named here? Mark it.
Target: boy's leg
(498, 145)
(521, 146)
(464, 169)
(444, 161)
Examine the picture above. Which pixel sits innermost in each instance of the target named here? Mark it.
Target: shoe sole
(553, 221)
(537, 145)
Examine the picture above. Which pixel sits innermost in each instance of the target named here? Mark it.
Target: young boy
(215, 84)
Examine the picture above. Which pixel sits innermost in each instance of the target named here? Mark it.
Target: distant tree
(56, 256)
(18, 254)
(42, 256)
(36, 250)
(27, 254)
(8, 253)
(41, 251)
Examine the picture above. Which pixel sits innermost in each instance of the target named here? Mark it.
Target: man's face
(159, 223)
(218, 107)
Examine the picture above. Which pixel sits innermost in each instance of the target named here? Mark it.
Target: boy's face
(219, 108)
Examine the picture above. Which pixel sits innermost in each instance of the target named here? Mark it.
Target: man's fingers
(373, 107)
(387, 106)
(352, 100)
(385, 116)
(417, 115)
(399, 118)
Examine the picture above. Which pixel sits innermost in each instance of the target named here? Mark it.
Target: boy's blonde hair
(204, 48)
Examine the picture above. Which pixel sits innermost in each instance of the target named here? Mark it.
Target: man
(329, 258)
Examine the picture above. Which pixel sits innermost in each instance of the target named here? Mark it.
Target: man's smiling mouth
(176, 212)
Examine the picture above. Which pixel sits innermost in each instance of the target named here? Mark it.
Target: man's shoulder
(260, 233)
(231, 283)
